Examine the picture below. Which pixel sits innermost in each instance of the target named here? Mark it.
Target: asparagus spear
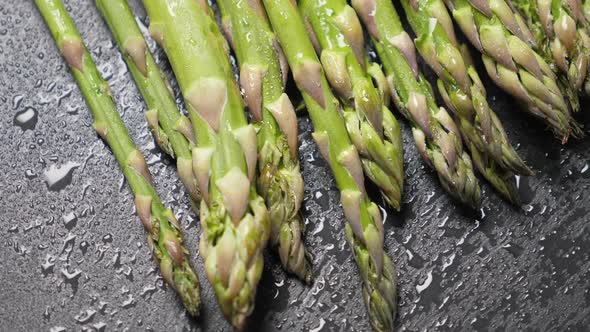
(234, 218)
(503, 39)
(436, 135)
(372, 128)
(262, 68)
(165, 238)
(464, 94)
(560, 31)
(365, 227)
(171, 130)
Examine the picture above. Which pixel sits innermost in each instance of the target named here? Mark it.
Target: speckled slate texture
(74, 255)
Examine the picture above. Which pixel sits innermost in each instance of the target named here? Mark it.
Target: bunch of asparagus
(364, 229)
(504, 40)
(165, 237)
(263, 74)
(436, 135)
(372, 128)
(561, 35)
(465, 94)
(224, 162)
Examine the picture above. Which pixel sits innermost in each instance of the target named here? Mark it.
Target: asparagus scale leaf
(436, 135)
(171, 130)
(506, 45)
(465, 95)
(364, 229)
(263, 70)
(234, 218)
(165, 238)
(561, 34)
(373, 129)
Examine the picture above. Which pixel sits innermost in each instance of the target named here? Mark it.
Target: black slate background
(73, 254)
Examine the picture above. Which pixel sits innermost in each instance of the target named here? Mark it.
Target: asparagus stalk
(561, 35)
(364, 229)
(165, 238)
(171, 130)
(234, 218)
(436, 135)
(262, 71)
(371, 126)
(504, 41)
(465, 95)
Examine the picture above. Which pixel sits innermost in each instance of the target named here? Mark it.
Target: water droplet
(100, 326)
(47, 266)
(46, 314)
(129, 303)
(84, 247)
(514, 249)
(70, 220)
(16, 101)
(59, 178)
(107, 238)
(30, 174)
(128, 273)
(148, 291)
(421, 287)
(280, 283)
(72, 277)
(448, 261)
(320, 326)
(320, 226)
(85, 316)
(27, 119)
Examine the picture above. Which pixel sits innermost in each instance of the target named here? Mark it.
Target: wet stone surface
(74, 255)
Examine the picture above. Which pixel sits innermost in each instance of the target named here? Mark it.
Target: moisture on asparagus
(171, 130)
(234, 218)
(505, 43)
(435, 133)
(263, 70)
(364, 229)
(465, 95)
(561, 34)
(165, 237)
(373, 129)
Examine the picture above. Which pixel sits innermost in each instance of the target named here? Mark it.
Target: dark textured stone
(501, 268)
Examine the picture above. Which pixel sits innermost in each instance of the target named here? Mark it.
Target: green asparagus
(171, 130)
(364, 229)
(560, 30)
(435, 133)
(234, 218)
(465, 95)
(371, 126)
(505, 43)
(262, 72)
(165, 238)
